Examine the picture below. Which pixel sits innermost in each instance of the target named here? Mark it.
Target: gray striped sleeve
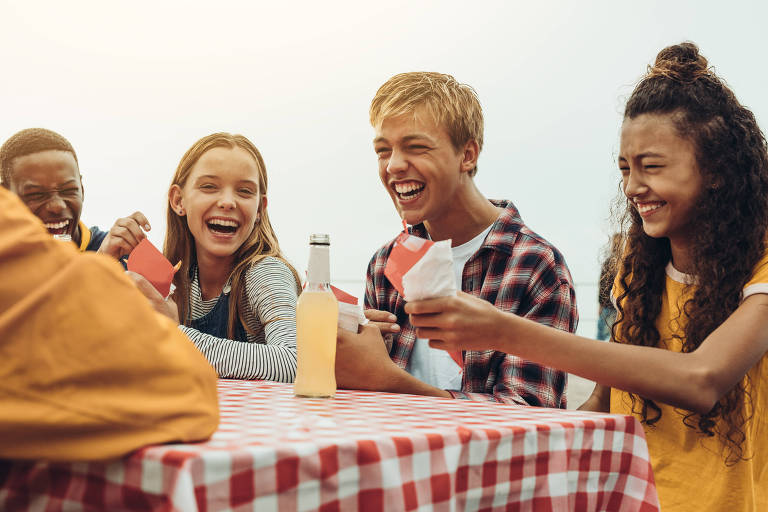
(271, 293)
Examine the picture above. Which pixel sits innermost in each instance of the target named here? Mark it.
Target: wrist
(405, 383)
(112, 252)
(502, 326)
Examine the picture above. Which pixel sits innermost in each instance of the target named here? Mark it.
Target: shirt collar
(678, 276)
(85, 236)
(503, 231)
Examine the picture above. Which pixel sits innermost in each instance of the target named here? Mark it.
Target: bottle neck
(318, 270)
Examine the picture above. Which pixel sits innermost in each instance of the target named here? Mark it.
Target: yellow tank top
(689, 467)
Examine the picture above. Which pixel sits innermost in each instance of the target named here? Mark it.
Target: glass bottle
(317, 313)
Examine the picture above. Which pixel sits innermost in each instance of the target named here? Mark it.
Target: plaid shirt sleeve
(533, 281)
(381, 295)
(370, 301)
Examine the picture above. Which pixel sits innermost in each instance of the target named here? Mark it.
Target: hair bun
(680, 62)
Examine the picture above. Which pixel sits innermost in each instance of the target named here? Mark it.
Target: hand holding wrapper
(421, 269)
(350, 313)
(146, 260)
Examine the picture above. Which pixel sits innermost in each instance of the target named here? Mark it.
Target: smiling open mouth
(58, 228)
(409, 191)
(647, 208)
(223, 227)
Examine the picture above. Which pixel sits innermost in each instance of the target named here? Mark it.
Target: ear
(470, 153)
(82, 189)
(175, 200)
(263, 204)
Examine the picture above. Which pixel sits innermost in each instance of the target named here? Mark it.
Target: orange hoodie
(88, 370)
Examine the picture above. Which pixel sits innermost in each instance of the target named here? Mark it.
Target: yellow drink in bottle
(316, 321)
(317, 316)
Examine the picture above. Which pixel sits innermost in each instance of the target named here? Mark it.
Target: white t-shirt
(432, 365)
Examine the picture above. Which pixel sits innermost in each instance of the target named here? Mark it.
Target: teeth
(649, 207)
(221, 222)
(57, 225)
(404, 188)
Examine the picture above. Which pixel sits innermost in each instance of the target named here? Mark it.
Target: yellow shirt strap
(85, 236)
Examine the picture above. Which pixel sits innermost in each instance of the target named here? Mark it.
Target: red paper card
(146, 260)
(407, 251)
(343, 296)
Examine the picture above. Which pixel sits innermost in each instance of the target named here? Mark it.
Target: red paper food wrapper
(350, 312)
(343, 296)
(421, 269)
(146, 260)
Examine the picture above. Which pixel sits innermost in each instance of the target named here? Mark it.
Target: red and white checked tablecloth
(362, 451)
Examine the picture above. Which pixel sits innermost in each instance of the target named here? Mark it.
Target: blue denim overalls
(215, 321)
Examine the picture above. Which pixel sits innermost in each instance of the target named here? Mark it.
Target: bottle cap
(320, 239)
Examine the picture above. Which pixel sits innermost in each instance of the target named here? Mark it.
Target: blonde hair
(453, 105)
(261, 243)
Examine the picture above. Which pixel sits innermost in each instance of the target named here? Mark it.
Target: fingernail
(392, 318)
(147, 227)
(395, 327)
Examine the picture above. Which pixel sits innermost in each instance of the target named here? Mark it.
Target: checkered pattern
(362, 451)
(515, 270)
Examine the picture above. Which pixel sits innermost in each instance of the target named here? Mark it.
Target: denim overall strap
(215, 321)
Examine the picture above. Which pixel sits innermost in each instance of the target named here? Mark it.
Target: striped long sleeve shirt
(270, 312)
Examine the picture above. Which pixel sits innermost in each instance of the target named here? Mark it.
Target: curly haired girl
(691, 335)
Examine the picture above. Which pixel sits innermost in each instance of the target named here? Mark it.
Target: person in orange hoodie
(78, 379)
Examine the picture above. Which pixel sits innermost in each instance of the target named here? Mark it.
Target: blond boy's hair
(453, 105)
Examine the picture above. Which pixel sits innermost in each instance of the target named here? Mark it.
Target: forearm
(594, 405)
(241, 360)
(506, 398)
(598, 401)
(404, 382)
(631, 368)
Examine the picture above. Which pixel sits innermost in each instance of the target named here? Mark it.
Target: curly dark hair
(731, 219)
(26, 142)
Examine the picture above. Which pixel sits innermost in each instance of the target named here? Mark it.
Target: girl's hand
(462, 322)
(162, 306)
(384, 320)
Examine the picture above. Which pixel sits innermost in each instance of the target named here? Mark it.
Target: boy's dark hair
(731, 220)
(27, 142)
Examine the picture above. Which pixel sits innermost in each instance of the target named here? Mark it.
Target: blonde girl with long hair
(235, 291)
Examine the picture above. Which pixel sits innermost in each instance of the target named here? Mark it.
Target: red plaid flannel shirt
(517, 271)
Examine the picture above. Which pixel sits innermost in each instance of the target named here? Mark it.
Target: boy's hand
(384, 320)
(461, 322)
(362, 361)
(162, 306)
(125, 234)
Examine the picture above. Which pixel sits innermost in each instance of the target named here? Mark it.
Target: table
(362, 451)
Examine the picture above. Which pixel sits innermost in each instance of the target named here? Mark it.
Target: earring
(181, 211)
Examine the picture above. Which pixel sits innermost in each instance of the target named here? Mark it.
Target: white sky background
(133, 85)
